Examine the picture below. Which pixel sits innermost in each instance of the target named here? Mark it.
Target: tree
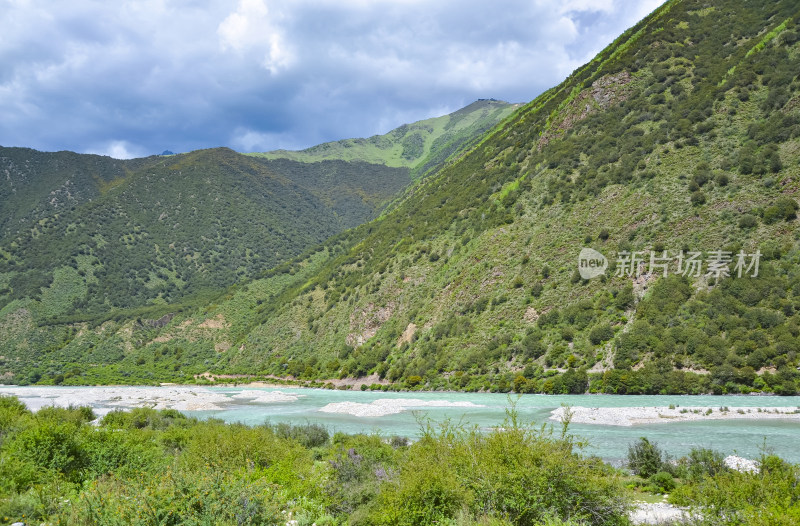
(645, 458)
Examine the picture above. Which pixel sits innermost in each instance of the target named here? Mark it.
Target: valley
(580, 310)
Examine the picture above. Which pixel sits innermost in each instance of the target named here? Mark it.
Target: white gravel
(745, 465)
(266, 397)
(180, 398)
(389, 406)
(629, 416)
(657, 513)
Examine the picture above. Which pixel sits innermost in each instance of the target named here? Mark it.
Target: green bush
(51, 446)
(645, 458)
(784, 209)
(770, 497)
(703, 462)
(600, 334)
(748, 221)
(414, 380)
(520, 474)
(308, 434)
(662, 482)
(624, 298)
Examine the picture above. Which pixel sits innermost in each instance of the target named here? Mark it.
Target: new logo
(591, 263)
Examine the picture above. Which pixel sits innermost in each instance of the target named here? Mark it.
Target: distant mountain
(420, 146)
(86, 235)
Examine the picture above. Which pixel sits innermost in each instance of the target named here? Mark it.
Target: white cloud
(118, 150)
(244, 140)
(251, 29)
(256, 74)
(606, 6)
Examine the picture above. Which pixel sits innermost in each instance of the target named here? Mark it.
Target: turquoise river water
(747, 438)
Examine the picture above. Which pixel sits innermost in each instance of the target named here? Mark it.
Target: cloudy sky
(132, 78)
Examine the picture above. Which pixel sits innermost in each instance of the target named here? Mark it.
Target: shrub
(600, 334)
(784, 208)
(308, 434)
(413, 381)
(662, 482)
(519, 473)
(358, 467)
(536, 290)
(51, 446)
(769, 497)
(624, 298)
(10, 411)
(748, 221)
(698, 198)
(705, 462)
(645, 458)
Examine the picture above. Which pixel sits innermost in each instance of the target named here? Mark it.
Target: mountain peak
(418, 146)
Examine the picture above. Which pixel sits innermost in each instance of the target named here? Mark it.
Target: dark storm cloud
(135, 78)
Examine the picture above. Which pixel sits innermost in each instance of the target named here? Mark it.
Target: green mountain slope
(36, 185)
(682, 136)
(161, 230)
(419, 146)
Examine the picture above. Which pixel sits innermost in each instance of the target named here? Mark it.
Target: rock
(743, 465)
(657, 513)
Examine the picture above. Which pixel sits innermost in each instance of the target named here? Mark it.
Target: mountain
(160, 230)
(679, 143)
(419, 146)
(87, 238)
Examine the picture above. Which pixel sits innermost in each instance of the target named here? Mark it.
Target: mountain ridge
(418, 146)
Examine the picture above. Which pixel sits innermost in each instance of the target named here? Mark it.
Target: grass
(398, 148)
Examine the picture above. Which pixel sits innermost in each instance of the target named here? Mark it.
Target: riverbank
(180, 398)
(630, 416)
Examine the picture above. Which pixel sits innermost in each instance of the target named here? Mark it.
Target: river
(400, 413)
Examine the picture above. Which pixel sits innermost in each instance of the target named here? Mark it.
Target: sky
(135, 78)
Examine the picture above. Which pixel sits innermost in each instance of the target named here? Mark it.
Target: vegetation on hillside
(176, 228)
(420, 146)
(680, 138)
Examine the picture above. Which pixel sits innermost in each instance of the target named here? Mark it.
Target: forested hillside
(678, 142)
(164, 229)
(87, 238)
(682, 136)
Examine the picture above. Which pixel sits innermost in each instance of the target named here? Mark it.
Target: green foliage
(624, 298)
(519, 474)
(308, 435)
(420, 146)
(784, 209)
(703, 462)
(767, 497)
(155, 467)
(645, 458)
(600, 334)
(672, 139)
(662, 482)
